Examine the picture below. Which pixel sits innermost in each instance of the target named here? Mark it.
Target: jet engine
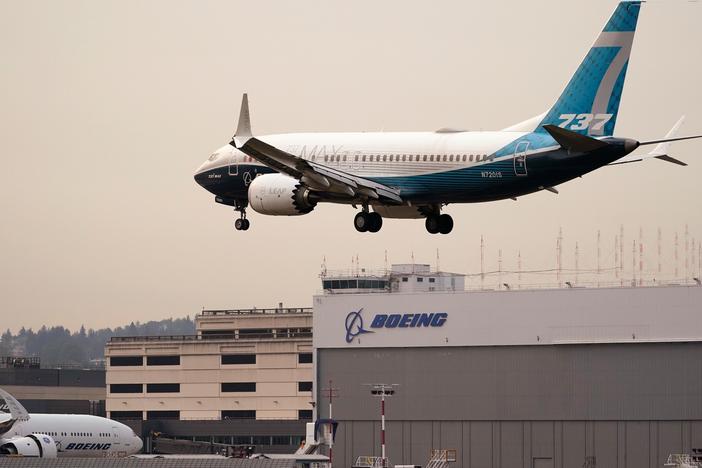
(33, 445)
(280, 195)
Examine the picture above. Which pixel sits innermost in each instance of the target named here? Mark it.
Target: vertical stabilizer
(590, 102)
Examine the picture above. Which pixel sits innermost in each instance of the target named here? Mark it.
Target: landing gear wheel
(445, 223)
(432, 224)
(241, 224)
(376, 222)
(362, 221)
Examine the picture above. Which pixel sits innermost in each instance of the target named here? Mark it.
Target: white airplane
(69, 435)
(415, 175)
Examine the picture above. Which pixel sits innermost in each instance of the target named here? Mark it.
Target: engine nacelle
(279, 195)
(33, 445)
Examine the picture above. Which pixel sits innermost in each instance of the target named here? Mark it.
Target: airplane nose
(138, 444)
(200, 178)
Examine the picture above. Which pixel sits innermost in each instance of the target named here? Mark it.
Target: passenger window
(363, 158)
(392, 157)
(464, 158)
(425, 157)
(451, 158)
(344, 158)
(471, 158)
(325, 158)
(431, 158)
(355, 158)
(385, 157)
(445, 158)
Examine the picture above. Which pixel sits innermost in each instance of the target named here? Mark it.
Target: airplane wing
(315, 176)
(661, 149)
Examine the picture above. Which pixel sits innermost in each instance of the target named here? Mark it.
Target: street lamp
(382, 390)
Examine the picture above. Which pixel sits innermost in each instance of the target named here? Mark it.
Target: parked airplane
(70, 435)
(414, 175)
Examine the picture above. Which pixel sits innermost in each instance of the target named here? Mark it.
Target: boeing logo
(88, 446)
(409, 320)
(354, 322)
(354, 325)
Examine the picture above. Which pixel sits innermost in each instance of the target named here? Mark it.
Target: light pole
(331, 392)
(382, 390)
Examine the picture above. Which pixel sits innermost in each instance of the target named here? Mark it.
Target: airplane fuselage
(425, 167)
(79, 435)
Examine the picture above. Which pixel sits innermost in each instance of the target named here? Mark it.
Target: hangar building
(605, 377)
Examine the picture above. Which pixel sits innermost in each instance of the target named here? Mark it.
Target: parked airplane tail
(590, 102)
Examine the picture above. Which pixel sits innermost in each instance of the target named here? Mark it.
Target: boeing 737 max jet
(415, 175)
(70, 435)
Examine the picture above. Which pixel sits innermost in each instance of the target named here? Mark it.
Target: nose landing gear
(241, 224)
(367, 222)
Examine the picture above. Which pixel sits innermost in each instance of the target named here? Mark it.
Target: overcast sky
(108, 107)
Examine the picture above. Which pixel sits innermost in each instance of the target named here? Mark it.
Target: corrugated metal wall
(628, 405)
(522, 444)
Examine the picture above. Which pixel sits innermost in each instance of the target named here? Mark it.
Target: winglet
(573, 141)
(17, 411)
(243, 129)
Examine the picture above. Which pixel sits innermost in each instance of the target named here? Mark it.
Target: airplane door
(116, 444)
(233, 165)
(520, 166)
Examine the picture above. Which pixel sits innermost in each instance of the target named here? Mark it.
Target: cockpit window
(213, 157)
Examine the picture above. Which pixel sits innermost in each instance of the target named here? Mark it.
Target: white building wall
(535, 317)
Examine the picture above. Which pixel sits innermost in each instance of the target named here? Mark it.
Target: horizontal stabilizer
(661, 149)
(572, 141)
(670, 159)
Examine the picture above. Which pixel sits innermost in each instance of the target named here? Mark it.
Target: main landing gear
(241, 224)
(367, 221)
(439, 223)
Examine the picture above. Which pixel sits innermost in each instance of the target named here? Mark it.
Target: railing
(441, 458)
(365, 461)
(509, 285)
(254, 311)
(31, 362)
(227, 337)
(681, 460)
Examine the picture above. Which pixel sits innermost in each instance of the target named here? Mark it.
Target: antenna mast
(660, 241)
(621, 253)
(616, 256)
(482, 262)
(599, 255)
(676, 256)
(331, 393)
(577, 271)
(499, 268)
(519, 265)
